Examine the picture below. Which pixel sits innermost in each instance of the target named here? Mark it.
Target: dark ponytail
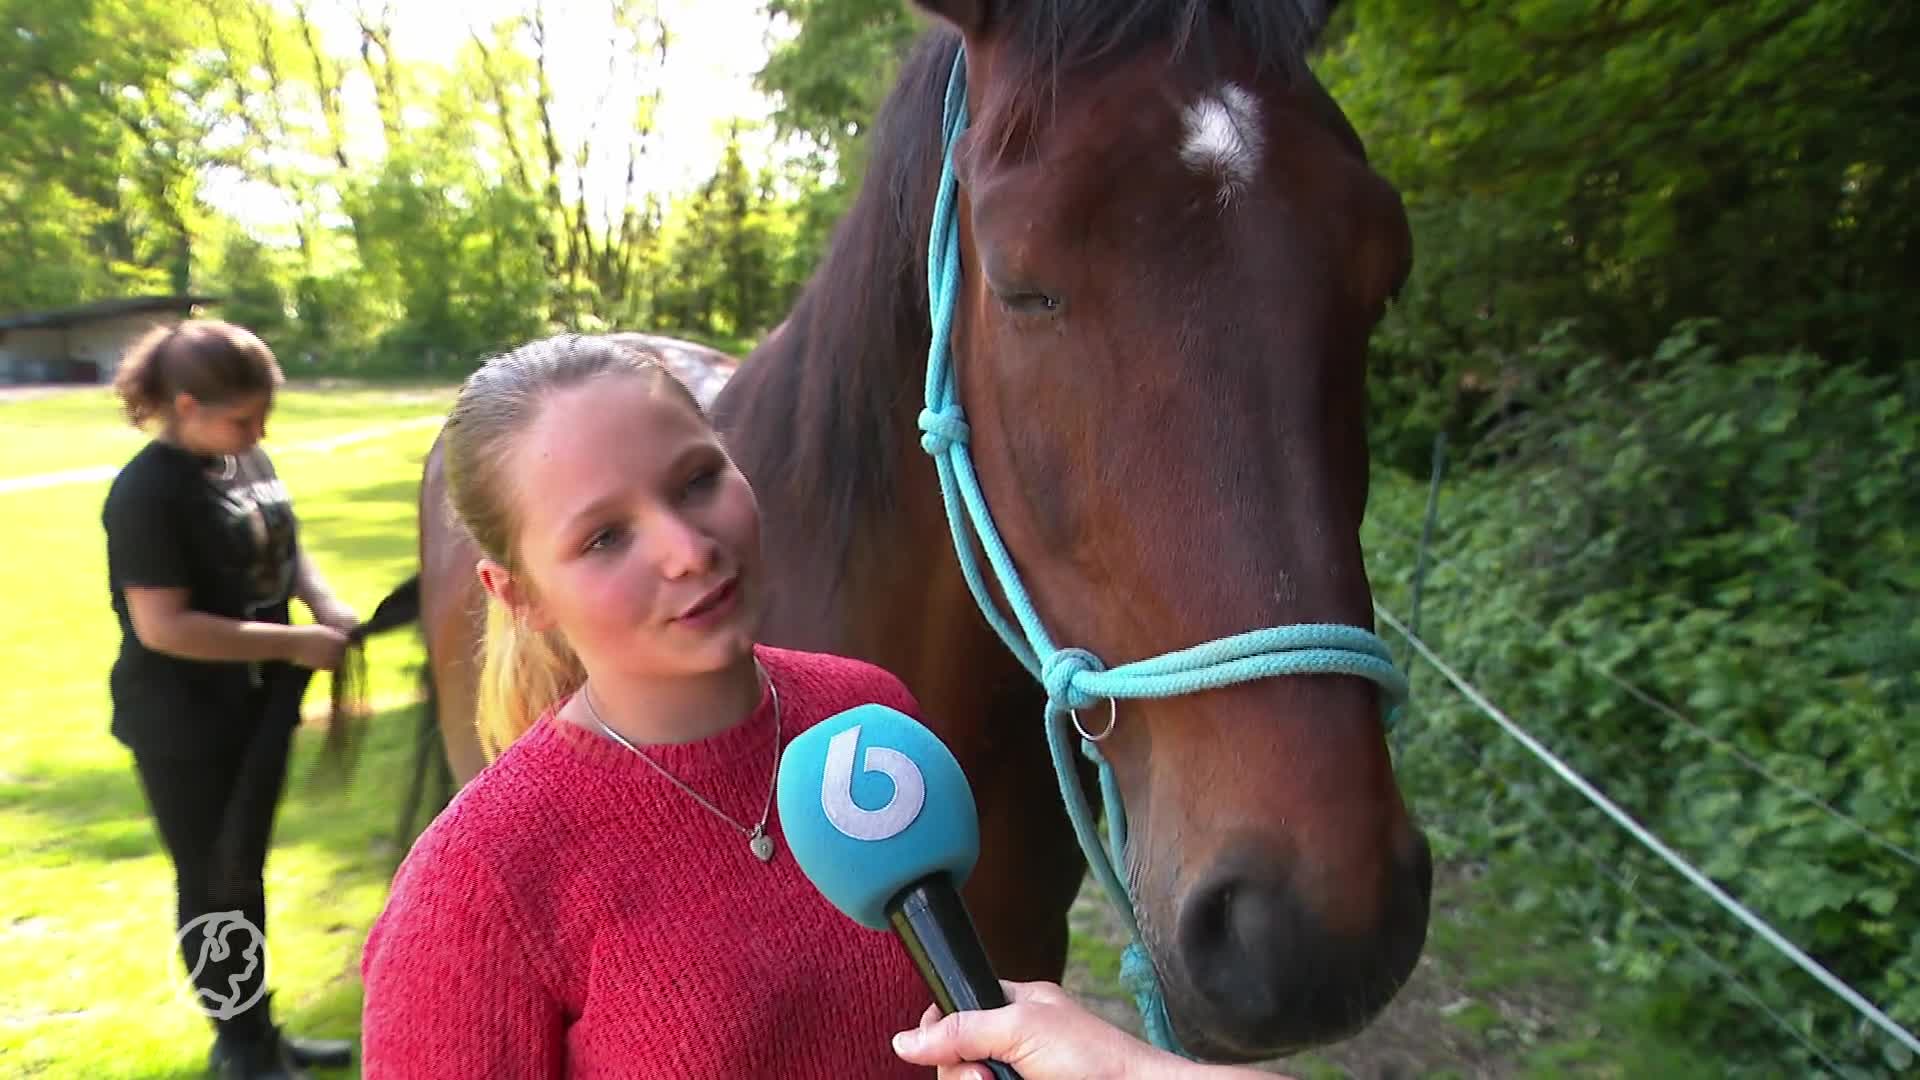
(212, 361)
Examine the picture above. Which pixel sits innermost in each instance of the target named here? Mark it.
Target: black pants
(215, 814)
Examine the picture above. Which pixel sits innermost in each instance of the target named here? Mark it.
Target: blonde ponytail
(523, 673)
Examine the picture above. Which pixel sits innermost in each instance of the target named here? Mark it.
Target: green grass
(1525, 988)
(83, 428)
(86, 898)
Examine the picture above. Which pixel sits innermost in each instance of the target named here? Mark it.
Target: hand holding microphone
(879, 817)
(1049, 1036)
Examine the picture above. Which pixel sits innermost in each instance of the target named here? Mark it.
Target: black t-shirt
(223, 529)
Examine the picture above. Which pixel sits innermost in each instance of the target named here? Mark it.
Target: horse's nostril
(1270, 974)
(1215, 914)
(1232, 934)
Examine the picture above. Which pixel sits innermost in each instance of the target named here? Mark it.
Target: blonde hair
(215, 362)
(523, 672)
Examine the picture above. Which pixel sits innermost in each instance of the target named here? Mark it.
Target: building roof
(99, 310)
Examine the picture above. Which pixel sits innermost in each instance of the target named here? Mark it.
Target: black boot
(252, 1055)
(307, 1053)
(257, 1049)
(316, 1053)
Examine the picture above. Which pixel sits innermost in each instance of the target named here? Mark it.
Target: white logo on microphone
(836, 790)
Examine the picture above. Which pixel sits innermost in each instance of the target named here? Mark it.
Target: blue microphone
(880, 818)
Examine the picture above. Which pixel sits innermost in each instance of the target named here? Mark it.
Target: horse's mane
(838, 379)
(841, 380)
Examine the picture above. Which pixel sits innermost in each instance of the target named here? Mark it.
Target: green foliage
(828, 80)
(1722, 514)
(457, 254)
(1735, 536)
(1634, 163)
(99, 154)
(464, 229)
(724, 272)
(831, 74)
(250, 281)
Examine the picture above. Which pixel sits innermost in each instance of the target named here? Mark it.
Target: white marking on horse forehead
(1223, 137)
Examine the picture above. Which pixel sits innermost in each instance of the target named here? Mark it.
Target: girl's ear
(185, 405)
(513, 595)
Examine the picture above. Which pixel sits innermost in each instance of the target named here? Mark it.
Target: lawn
(87, 893)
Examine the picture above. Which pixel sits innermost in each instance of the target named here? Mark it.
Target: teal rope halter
(1074, 678)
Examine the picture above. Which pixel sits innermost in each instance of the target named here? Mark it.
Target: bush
(1737, 537)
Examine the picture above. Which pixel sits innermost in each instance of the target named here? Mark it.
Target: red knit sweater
(572, 913)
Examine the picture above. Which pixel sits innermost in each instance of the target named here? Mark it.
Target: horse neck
(882, 583)
(828, 515)
(823, 418)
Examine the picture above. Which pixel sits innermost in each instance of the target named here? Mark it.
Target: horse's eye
(1029, 302)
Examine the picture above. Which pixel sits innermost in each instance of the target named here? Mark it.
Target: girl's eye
(602, 540)
(702, 481)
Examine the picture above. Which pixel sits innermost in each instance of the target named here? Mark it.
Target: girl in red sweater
(612, 896)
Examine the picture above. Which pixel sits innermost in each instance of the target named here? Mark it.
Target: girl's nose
(681, 548)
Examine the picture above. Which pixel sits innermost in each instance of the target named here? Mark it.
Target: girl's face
(232, 427)
(639, 540)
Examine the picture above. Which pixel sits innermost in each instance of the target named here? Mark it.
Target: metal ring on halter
(1113, 717)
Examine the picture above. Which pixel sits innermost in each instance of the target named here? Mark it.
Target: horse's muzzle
(1263, 975)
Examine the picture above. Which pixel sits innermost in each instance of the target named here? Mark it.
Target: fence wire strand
(1686, 936)
(1686, 723)
(1647, 839)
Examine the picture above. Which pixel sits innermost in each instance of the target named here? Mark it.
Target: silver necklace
(757, 839)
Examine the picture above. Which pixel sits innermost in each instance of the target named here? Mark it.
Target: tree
(100, 153)
(829, 78)
(466, 226)
(1635, 163)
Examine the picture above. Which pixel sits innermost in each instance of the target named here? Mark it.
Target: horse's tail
(349, 705)
(428, 756)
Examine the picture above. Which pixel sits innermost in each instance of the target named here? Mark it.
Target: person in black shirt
(203, 558)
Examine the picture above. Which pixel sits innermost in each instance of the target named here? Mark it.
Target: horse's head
(1173, 254)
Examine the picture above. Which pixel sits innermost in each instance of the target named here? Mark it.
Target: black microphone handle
(933, 924)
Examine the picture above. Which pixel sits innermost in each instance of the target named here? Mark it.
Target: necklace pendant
(762, 845)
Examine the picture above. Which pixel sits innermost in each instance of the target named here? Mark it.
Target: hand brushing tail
(349, 708)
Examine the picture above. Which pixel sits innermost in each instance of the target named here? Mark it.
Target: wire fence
(1646, 838)
(1609, 673)
(1423, 558)
(1637, 897)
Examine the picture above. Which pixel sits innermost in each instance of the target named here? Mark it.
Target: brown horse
(1173, 252)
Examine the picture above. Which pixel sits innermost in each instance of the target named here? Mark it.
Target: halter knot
(943, 429)
(1057, 675)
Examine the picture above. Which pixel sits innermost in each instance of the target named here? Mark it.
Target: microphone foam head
(871, 802)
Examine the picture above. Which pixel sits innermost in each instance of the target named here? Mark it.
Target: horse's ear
(1314, 14)
(966, 16)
